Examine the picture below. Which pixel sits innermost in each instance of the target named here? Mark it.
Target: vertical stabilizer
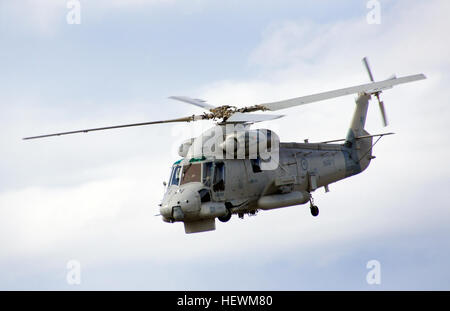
(359, 117)
(358, 151)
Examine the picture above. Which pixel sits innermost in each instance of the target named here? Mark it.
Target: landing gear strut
(314, 208)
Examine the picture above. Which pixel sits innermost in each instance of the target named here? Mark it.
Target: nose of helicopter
(182, 203)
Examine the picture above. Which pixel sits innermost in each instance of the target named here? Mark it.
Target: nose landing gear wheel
(314, 210)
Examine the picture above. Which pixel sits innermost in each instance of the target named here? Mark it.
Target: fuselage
(239, 184)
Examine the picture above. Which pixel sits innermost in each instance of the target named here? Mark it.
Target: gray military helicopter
(232, 169)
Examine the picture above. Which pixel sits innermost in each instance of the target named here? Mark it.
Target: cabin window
(256, 165)
(207, 173)
(191, 173)
(204, 195)
(219, 177)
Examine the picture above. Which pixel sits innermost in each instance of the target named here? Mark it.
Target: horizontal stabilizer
(358, 137)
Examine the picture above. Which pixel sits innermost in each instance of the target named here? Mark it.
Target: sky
(92, 198)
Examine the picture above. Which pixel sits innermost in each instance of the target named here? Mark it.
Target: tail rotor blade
(383, 113)
(377, 94)
(366, 64)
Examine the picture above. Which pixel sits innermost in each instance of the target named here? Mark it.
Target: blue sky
(93, 198)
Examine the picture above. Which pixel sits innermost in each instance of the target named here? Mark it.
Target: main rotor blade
(193, 101)
(186, 119)
(368, 88)
(366, 64)
(238, 117)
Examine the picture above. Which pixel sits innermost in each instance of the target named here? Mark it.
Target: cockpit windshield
(211, 174)
(191, 173)
(175, 175)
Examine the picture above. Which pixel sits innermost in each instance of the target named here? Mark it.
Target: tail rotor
(377, 94)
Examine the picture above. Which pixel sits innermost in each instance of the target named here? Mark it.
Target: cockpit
(210, 173)
(196, 193)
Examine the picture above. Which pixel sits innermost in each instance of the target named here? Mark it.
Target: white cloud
(132, 3)
(37, 16)
(47, 17)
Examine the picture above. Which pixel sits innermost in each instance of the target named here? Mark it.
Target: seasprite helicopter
(233, 169)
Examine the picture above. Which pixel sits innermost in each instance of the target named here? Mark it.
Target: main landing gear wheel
(225, 217)
(314, 210)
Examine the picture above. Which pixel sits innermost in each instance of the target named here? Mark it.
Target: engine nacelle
(184, 147)
(221, 141)
(250, 143)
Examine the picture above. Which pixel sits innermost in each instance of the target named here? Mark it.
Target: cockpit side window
(175, 176)
(191, 173)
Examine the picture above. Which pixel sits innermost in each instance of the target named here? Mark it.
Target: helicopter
(232, 169)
